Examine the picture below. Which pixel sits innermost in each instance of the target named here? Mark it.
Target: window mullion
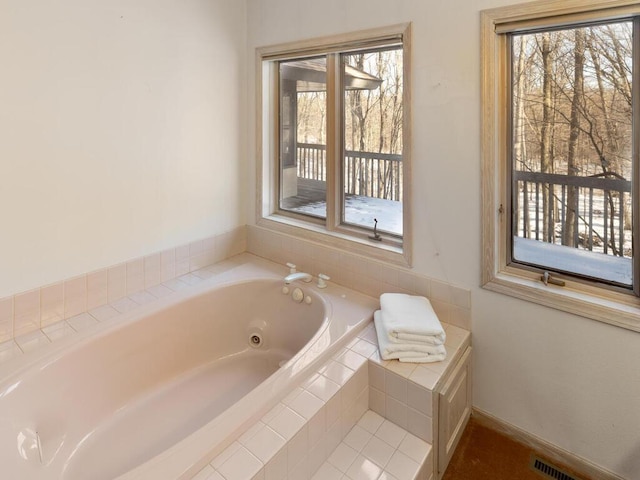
(334, 141)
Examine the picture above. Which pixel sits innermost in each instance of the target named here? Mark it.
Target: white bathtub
(159, 392)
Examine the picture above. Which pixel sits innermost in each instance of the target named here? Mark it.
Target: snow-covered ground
(361, 211)
(568, 259)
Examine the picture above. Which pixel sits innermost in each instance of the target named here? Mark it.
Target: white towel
(410, 318)
(405, 352)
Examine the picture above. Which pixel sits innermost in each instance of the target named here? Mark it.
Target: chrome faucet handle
(322, 280)
(292, 267)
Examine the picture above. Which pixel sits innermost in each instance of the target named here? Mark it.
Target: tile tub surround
(325, 402)
(28, 312)
(342, 422)
(452, 304)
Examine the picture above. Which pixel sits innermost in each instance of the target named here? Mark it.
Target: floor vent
(549, 471)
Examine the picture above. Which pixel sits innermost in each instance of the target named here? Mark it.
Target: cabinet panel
(454, 410)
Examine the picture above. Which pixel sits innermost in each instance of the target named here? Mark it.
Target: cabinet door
(454, 410)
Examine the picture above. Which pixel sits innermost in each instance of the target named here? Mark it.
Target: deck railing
(377, 175)
(602, 206)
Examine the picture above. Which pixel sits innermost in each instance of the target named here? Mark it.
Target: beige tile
(415, 448)
(317, 427)
(26, 315)
(6, 319)
(104, 313)
(337, 372)
(391, 433)
(363, 469)
(241, 465)
(460, 317)
(75, 296)
(97, 289)
(420, 425)
(306, 404)
(357, 438)
(378, 452)
(152, 270)
(297, 447)
(168, 265)
(396, 386)
(440, 291)
(371, 421)
(442, 309)
(419, 398)
(9, 350)
(323, 388)
(425, 377)
(377, 376)
(328, 472)
(404, 369)
(402, 467)
(286, 423)
(32, 341)
(51, 304)
(116, 282)
(396, 411)
(276, 468)
(422, 286)
(135, 276)
(342, 457)
(82, 321)
(377, 401)
(265, 443)
(58, 330)
(461, 297)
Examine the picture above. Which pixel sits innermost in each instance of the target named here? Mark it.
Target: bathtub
(159, 392)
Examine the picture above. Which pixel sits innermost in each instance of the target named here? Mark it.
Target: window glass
(302, 145)
(372, 84)
(571, 150)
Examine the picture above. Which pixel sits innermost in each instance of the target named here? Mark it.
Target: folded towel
(410, 318)
(427, 359)
(405, 352)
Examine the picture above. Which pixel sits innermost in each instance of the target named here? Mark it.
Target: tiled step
(376, 449)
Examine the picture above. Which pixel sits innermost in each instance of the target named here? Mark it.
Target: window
(335, 140)
(560, 156)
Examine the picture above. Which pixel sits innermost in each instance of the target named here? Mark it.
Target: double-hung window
(560, 156)
(334, 138)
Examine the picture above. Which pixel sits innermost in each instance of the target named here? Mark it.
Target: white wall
(571, 381)
(121, 130)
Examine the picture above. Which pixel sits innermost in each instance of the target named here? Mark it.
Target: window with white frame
(335, 139)
(560, 156)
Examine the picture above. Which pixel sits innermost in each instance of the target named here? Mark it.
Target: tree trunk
(569, 233)
(546, 160)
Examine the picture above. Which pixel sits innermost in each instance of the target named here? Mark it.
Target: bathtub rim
(17, 366)
(252, 269)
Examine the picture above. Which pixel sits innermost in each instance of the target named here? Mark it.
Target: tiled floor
(376, 449)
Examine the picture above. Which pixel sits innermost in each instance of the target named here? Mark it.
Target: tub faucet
(292, 277)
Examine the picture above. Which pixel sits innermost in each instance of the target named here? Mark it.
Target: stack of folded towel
(408, 329)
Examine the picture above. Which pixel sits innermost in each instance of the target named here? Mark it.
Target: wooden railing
(377, 175)
(541, 209)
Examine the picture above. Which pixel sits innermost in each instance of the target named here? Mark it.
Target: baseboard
(554, 453)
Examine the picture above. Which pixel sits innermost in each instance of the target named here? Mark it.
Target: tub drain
(255, 340)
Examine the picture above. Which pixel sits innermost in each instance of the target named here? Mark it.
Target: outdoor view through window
(370, 163)
(571, 150)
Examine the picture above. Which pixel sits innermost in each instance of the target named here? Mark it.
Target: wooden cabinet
(453, 411)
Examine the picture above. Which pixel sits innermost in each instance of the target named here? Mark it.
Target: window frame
(590, 299)
(331, 231)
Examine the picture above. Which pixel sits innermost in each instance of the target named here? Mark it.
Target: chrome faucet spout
(292, 277)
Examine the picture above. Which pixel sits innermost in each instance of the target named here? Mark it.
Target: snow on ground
(569, 259)
(361, 211)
